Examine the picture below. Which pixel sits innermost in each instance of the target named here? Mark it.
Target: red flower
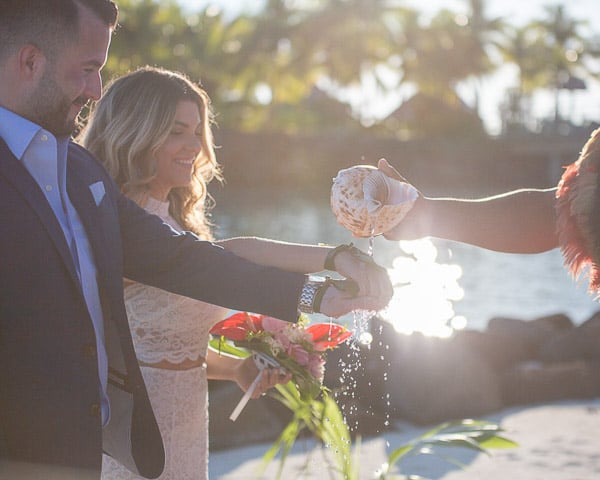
(299, 350)
(238, 326)
(327, 335)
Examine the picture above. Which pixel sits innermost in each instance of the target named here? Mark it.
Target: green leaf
(221, 345)
(477, 435)
(398, 453)
(455, 441)
(283, 444)
(497, 442)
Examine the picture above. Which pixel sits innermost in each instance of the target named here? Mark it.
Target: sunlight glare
(424, 291)
(458, 323)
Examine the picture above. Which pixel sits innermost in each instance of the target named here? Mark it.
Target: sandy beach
(557, 441)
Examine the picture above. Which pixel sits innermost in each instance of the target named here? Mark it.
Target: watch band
(306, 303)
(314, 289)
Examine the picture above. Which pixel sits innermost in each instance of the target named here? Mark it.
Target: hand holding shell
(367, 202)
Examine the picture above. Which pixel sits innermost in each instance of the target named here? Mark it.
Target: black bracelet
(330, 258)
(350, 248)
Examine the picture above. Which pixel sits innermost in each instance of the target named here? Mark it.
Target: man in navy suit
(68, 373)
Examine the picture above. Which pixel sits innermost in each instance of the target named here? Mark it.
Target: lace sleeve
(166, 326)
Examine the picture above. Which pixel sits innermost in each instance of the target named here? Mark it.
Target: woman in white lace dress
(152, 131)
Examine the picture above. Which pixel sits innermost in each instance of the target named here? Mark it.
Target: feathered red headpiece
(578, 214)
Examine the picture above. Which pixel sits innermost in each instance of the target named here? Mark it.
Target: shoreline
(557, 441)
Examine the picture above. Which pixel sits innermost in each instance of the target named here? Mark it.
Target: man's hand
(390, 171)
(371, 278)
(336, 302)
(375, 289)
(410, 227)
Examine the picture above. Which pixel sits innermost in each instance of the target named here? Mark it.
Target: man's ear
(31, 62)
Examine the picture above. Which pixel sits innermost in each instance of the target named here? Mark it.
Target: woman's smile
(176, 155)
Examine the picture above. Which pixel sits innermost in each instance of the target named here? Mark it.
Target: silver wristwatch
(312, 293)
(314, 289)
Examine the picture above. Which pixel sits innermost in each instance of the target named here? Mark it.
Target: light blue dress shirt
(45, 157)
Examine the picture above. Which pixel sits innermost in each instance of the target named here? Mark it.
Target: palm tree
(567, 48)
(345, 38)
(434, 59)
(485, 34)
(203, 44)
(294, 47)
(525, 48)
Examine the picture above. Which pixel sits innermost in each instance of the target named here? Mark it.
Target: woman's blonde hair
(132, 120)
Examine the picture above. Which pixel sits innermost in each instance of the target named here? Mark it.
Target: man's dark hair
(48, 24)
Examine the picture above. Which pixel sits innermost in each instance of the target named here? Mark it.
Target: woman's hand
(247, 371)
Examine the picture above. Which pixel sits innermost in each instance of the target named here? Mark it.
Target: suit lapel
(16, 173)
(78, 188)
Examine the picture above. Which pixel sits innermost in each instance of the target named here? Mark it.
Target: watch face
(316, 278)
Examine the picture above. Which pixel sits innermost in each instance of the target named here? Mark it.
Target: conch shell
(368, 202)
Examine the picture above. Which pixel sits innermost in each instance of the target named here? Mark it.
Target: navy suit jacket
(49, 387)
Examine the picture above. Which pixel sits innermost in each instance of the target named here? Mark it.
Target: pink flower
(273, 325)
(298, 353)
(316, 366)
(284, 341)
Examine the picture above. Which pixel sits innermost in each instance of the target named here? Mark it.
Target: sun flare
(424, 292)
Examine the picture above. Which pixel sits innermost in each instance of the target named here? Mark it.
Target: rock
(535, 382)
(556, 322)
(509, 341)
(532, 333)
(498, 350)
(432, 380)
(262, 420)
(412, 377)
(579, 343)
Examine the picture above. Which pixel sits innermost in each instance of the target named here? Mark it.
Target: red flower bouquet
(295, 347)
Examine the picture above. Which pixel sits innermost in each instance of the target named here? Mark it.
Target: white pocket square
(98, 192)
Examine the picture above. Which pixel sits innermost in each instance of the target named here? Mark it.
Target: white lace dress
(166, 326)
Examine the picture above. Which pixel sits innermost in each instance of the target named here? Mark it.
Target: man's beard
(49, 107)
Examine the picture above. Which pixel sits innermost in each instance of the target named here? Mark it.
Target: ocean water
(439, 283)
(518, 286)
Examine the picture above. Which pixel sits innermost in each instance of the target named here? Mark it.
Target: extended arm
(293, 257)
(303, 258)
(154, 254)
(521, 221)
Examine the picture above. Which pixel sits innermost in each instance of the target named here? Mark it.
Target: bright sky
(517, 9)
(583, 105)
